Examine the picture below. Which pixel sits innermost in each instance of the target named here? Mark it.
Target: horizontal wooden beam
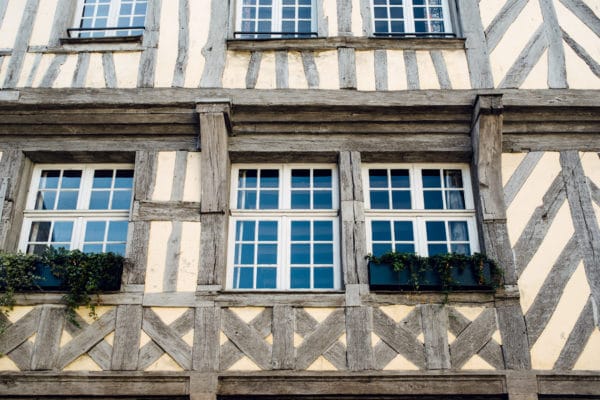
(576, 384)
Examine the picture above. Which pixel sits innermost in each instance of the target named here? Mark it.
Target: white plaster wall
(42, 68)
(267, 78)
(43, 23)
(327, 65)
(95, 74)
(200, 21)
(579, 75)
(330, 11)
(189, 257)
(157, 255)
(297, 77)
(538, 77)
(126, 68)
(67, 71)
(191, 188)
(458, 69)
(427, 75)
(578, 30)
(365, 70)
(357, 24)
(396, 70)
(165, 171)
(489, 9)
(236, 68)
(28, 65)
(167, 44)
(10, 25)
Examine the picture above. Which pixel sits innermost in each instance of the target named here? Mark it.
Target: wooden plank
(182, 44)
(47, 340)
(253, 69)
(281, 70)
(557, 69)
(19, 48)
(381, 68)
(100, 353)
(81, 70)
(584, 13)
(207, 330)
(145, 174)
(213, 244)
(527, 59)
(88, 338)
(322, 338)
(582, 53)
(441, 70)
(435, 331)
(147, 65)
(513, 331)
(172, 257)
(21, 356)
(399, 339)
(166, 211)
(263, 299)
(137, 253)
(578, 338)
(412, 70)
(344, 18)
(550, 142)
(63, 17)
(310, 69)
(215, 49)
(283, 337)
(127, 338)
(20, 331)
(347, 67)
(359, 324)
(110, 73)
(480, 71)
(473, 338)
(586, 226)
(502, 21)
(558, 384)
(246, 339)
(173, 345)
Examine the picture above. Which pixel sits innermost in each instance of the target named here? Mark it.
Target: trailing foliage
(82, 275)
(442, 265)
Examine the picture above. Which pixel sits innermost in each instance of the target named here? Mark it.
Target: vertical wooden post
(15, 171)
(47, 342)
(205, 357)
(435, 330)
(127, 338)
(486, 134)
(214, 208)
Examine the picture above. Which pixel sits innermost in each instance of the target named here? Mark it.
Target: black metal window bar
(127, 30)
(274, 35)
(415, 34)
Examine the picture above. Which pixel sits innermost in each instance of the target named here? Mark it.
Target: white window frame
(409, 20)
(112, 21)
(81, 214)
(418, 214)
(284, 215)
(276, 22)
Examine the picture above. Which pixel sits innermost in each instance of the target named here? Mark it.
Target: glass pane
(267, 254)
(300, 178)
(381, 231)
(455, 200)
(269, 199)
(304, 12)
(267, 231)
(247, 178)
(245, 230)
(288, 12)
(381, 26)
(322, 200)
(453, 178)
(99, 200)
(124, 179)
(94, 231)
(300, 254)
(247, 254)
(419, 12)
(381, 248)
(266, 278)
(323, 254)
(300, 200)
(247, 200)
(433, 200)
(102, 178)
(323, 278)
(431, 178)
(381, 12)
(117, 248)
(117, 231)
(300, 231)
(461, 248)
(92, 248)
(397, 27)
(246, 278)
(401, 200)
(38, 249)
(40, 231)
(436, 231)
(459, 232)
(323, 230)
(397, 12)
(403, 231)
(269, 178)
(400, 178)
(45, 200)
(67, 200)
(379, 200)
(421, 27)
(71, 180)
(378, 178)
(300, 278)
(322, 178)
(121, 200)
(435, 12)
(126, 9)
(434, 249)
(62, 231)
(405, 248)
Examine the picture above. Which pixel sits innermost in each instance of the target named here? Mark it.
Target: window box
(49, 281)
(423, 273)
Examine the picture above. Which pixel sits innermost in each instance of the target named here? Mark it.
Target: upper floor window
(284, 228)
(259, 19)
(78, 207)
(411, 18)
(420, 208)
(102, 18)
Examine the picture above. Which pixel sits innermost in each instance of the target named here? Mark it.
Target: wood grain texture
(147, 66)
(110, 73)
(126, 344)
(557, 69)
(164, 336)
(403, 341)
(283, 337)
(81, 70)
(253, 69)
(183, 42)
(527, 59)
(473, 338)
(215, 49)
(347, 67)
(577, 340)
(166, 211)
(435, 328)
(322, 338)
(207, 327)
(19, 332)
(519, 177)
(246, 339)
(47, 342)
(19, 48)
(480, 71)
(359, 324)
(513, 331)
(502, 21)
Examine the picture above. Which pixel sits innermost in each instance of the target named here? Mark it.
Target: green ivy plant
(83, 275)
(443, 265)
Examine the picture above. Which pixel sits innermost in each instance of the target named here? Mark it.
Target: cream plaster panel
(396, 70)
(342, 339)
(3, 68)
(42, 25)
(200, 20)
(244, 364)
(427, 75)
(297, 340)
(327, 65)
(579, 75)
(168, 41)
(83, 363)
(6, 364)
(451, 337)
(165, 170)
(189, 257)
(95, 74)
(188, 338)
(591, 166)
(458, 69)
(399, 363)
(42, 69)
(296, 75)
(236, 68)
(538, 77)
(10, 24)
(65, 338)
(477, 363)
(165, 363)
(421, 337)
(497, 337)
(534, 275)
(168, 315)
(514, 40)
(471, 313)
(191, 188)
(510, 163)
(330, 11)
(110, 338)
(365, 70)
(66, 73)
(396, 312)
(269, 339)
(16, 313)
(549, 345)
(356, 19)
(321, 364)
(246, 314)
(531, 194)
(489, 9)
(589, 359)
(85, 313)
(158, 243)
(267, 78)
(28, 65)
(578, 31)
(375, 340)
(144, 339)
(126, 68)
(32, 338)
(319, 314)
(594, 5)
(223, 338)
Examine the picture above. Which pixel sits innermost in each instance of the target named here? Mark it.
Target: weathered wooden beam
(359, 325)
(207, 327)
(513, 332)
(47, 342)
(127, 338)
(164, 336)
(283, 337)
(15, 170)
(435, 330)
(166, 211)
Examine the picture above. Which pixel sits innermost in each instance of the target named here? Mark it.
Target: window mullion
(409, 16)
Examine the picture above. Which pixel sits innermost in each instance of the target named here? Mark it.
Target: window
(411, 18)
(275, 19)
(284, 228)
(102, 18)
(74, 207)
(420, 208)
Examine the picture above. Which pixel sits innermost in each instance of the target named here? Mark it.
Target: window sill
(78, 45)
(359, 43)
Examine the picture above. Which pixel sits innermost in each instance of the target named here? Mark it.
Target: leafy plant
(17, 274)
